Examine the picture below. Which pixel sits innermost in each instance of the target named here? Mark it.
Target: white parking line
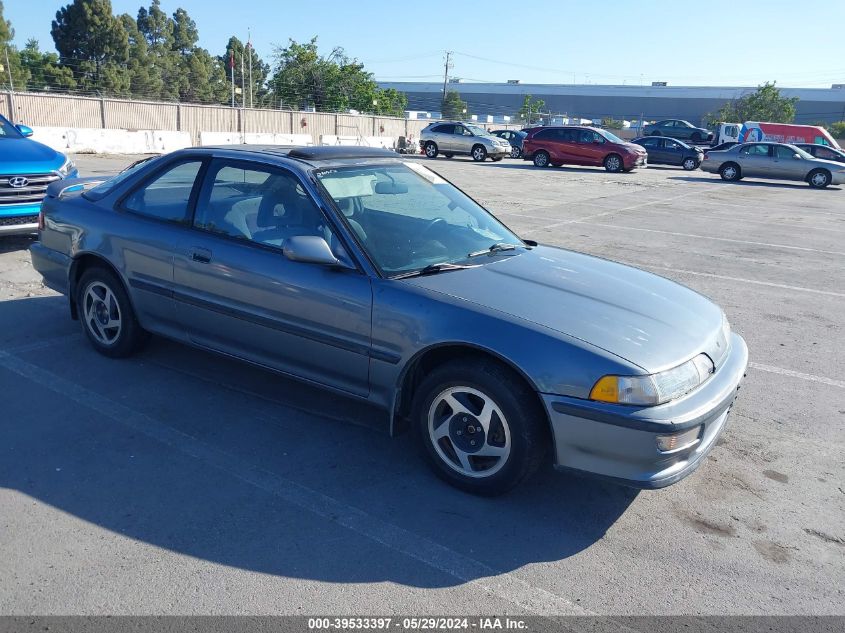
(611, 212)
(735, 218)
(828, 293)
(797, 374)
(505, 586)
(710, 237)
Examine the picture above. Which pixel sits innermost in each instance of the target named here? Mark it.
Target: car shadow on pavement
(752, 183)
(215, 459)
(12, 243)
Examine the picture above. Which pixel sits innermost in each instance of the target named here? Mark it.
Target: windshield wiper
(432, 269)
(496, 248)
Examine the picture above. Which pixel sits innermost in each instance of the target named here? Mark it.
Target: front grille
(15, 220)
(32, 193)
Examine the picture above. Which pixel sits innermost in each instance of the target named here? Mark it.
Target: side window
(588, 136)
(671, 145)
(667, 124)
(755, 150)
(257, 203)
(568, 135)
(823, 152)
(460, 129)
(650, 143)
(782, 151)
(168, 195)
(545, 135)
(443, 129)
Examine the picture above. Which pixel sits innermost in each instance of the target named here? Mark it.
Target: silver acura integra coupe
(374, 277)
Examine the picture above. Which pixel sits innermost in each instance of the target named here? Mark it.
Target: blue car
(27, 167)
(376, 278)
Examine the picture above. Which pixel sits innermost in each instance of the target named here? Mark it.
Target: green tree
(764, 104)
(185, 33)
(203, 78)
(837, 130)
(452, 106)
(145, 81)
(94, 44)
(260, 71)
(530, 110)
(335, 83)
(20, 74)
(157, 28)
(45, 73)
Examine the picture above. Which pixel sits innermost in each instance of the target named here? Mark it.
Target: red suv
(573, 145)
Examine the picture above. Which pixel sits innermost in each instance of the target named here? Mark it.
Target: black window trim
(203, 159)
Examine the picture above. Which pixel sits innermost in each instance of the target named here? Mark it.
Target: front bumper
(619, 442)
(837, 178)
(19, 219)
(497, 150)
(638, 160)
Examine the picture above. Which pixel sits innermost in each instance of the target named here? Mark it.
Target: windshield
(612, 137)
(7, 130)
(105, 188)
(478, 131)
(407, 217)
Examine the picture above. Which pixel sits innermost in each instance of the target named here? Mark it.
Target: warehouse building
(693, 103)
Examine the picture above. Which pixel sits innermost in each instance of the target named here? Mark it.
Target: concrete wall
(72, 112)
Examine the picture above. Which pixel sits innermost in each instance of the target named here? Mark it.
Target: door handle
(201, 255)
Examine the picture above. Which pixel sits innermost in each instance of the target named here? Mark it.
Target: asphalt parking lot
(179, 482)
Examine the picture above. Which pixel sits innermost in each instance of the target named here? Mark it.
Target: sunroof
(340, 151)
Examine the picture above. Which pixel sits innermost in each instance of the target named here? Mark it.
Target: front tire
(479, 153)
(613, 163)
(819, 178)
(496, 159)
(541, 159)
(730, 172)
(689, 164)
(431, 149)
(480, 427)
(106, 314)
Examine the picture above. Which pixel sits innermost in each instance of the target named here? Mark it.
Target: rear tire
(106, 314)
(449, 155)
(507, 423)
(730, 172)
(541, 159)
(656, 133)
(431, 149)
(613, 163)
(819, 178)
(478, 153)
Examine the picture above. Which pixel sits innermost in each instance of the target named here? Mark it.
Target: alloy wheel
(469, 432)
(102, 313)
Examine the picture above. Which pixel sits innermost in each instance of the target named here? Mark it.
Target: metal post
(12, 111)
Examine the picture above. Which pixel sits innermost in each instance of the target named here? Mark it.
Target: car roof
(315, 156)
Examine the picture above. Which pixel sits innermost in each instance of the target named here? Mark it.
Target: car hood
(25, 156)
(645, 319)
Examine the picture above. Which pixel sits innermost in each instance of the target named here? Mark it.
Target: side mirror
(796, 156)
(25, 130)
(310, 249)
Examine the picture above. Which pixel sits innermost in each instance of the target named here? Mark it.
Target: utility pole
(11, 86)
(249, 48)
(243, 87)
(232, 72)
(446, 72)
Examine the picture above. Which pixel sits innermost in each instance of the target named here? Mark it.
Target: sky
(715, 43)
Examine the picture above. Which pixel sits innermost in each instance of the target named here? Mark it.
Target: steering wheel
(436, 223)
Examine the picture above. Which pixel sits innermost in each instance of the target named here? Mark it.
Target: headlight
(68, 167)
(656, 388)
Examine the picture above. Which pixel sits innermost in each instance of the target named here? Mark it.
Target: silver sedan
(779, 161)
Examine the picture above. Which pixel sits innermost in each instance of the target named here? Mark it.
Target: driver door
(237, 293)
